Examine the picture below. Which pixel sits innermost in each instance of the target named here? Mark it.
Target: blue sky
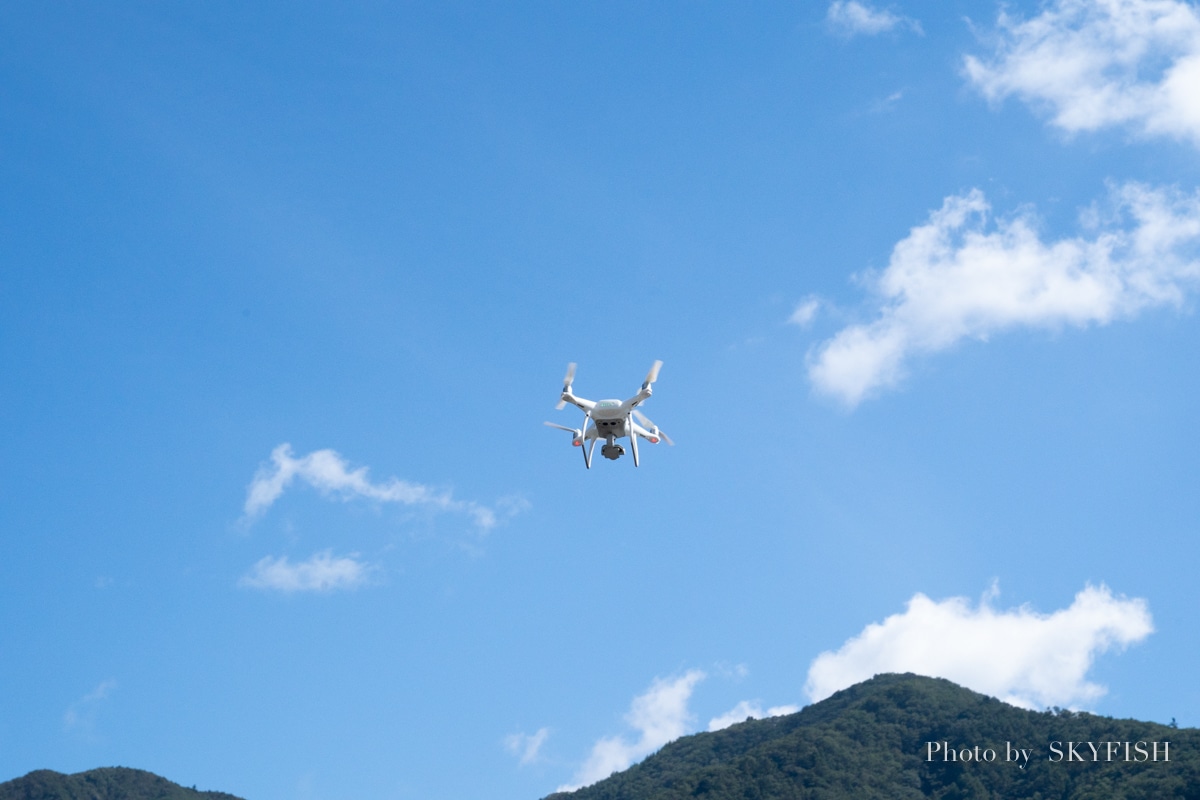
(287, 290)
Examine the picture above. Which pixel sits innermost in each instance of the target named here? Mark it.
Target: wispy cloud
(733, 672)
(526, 747)
(659, 716)
(961, 275)
(852, 18)
(748, 709)
(1098, 63)
(80, 716)
(888, 103)
(330, 474)
(321, 573)
(1020, 656)
(805, 312)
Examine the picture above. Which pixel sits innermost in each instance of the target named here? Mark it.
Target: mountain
(889, 737)
(109, 783)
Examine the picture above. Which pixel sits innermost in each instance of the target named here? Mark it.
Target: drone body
(609, 420)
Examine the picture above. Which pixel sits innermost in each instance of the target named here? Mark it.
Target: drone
(610, 420)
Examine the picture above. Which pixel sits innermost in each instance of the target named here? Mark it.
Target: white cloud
(80, 716)
(806, 312)
(748, 709)
(1099, 63)
(852, 18)
(1020, 656)
(329, 473)
(888, 103)
(526, 746)
(320, 573)
(962, 276)
(733, 672)
(660, 715)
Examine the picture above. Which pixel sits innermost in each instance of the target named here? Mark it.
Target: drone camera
(612, 451)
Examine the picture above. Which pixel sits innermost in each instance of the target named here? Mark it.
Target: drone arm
(651, 431)
(638, 430)
(579, 402)
(642, 396)
(645, 392)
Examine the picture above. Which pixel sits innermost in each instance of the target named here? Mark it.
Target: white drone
(610, 420)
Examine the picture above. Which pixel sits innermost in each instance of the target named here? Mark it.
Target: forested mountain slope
(886, 738)
(109, 783)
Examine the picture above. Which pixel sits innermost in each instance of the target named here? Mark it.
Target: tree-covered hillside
(109, 783)
(875, 739)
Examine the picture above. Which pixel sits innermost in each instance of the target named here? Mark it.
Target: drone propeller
(652, 375)
(567, 380)
(575, 432)
(649, 423)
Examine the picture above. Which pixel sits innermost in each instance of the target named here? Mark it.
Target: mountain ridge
(104, 783)
(888, 737)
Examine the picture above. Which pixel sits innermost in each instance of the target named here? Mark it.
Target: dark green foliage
(871, 741)
(109, 783)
